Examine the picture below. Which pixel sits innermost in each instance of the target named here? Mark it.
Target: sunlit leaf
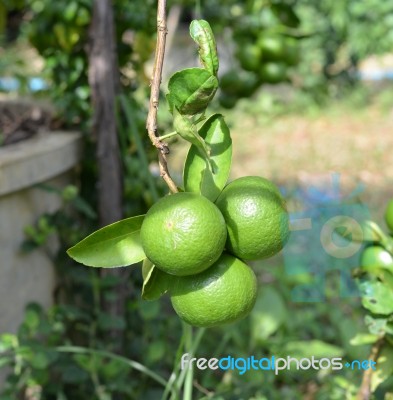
(201, 32)
(198, 177)
(115, 245)
(191, 90)
(377, 296)
(363, 338)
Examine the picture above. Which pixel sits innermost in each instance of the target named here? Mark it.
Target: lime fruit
(256, 217)
(272, 47)
(249, 56)
(224, 293)
(239, 83)
(183, 234)
(374, 257)
(273, 72)
(227, 101)
(389, 215)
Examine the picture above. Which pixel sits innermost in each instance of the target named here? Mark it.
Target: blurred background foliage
(314, 49)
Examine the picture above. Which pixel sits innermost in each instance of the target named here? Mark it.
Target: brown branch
(151, 122)
(365, 388)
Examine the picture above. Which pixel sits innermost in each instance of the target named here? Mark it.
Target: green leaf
(376, 297)
(202, 33)
(115, 245)
(198, 177)
(155, 282)
(363, 338)
(369, 232)
(188, 131)
(376, 326)
(8, 341)
(191, 90)
(268, 315)
(309, 348)
(384, 367)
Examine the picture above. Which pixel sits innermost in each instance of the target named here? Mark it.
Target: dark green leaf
(191, 90)
(201, 32)
(198, 177)
(115, 245)
(155, 282)
(108, 322)
(377, 297)
(149, 310)
(188, 131)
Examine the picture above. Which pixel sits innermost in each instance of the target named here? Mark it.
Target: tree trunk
(103, 77)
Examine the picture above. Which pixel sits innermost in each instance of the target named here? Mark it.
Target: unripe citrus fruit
(273, 72)
(374, 257)
(227, 100)
(249, 56)
(224, 293)
(183, 234)
(272, 47)
(389, 215)
(256, 217)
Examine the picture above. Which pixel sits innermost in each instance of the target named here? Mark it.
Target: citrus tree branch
(365, 388)
(151, 123)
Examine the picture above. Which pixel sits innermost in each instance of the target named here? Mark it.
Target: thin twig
(151, 122)
(365, 388)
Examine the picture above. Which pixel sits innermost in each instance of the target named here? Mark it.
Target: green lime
(374, 257)
(292, 51)
(272, 47)
(183, 234)
(389, 215)
(227, 100)
(239, 83)
(229, 81)
(249, 56)
(273, 72)
(256, 217)
(224, 293)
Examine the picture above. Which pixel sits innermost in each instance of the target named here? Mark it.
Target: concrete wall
(24, 278)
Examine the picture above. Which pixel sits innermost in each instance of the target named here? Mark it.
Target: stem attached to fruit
(151, 122)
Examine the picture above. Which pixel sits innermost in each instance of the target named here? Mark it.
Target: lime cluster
(202, 247)
(265, 48)
(378, 256)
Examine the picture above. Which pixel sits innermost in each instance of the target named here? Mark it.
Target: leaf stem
(151, 122)
(191, 350)
(168, 135)
(187, 395)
